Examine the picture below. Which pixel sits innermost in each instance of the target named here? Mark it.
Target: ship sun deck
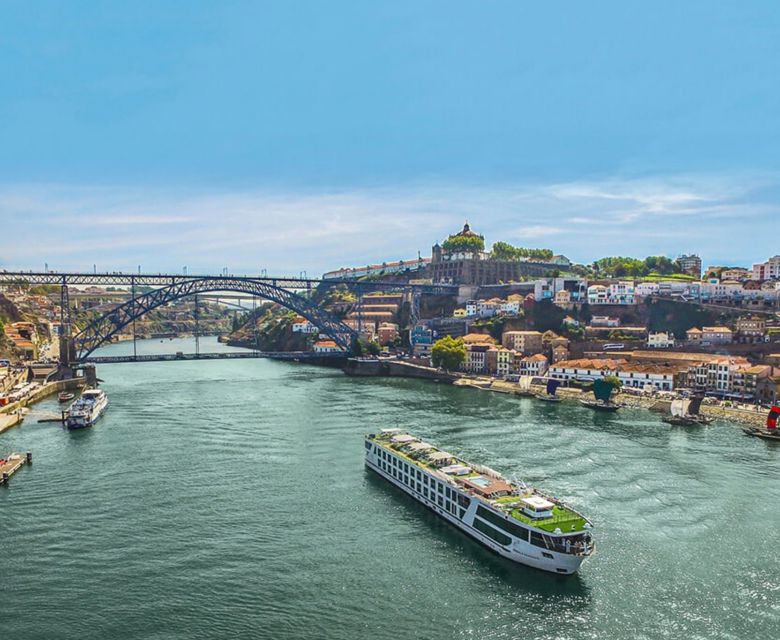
(514, 501)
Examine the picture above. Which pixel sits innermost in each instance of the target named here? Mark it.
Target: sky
(300, 136)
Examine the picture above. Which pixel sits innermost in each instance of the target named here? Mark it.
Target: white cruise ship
(515, 521)
(87, 409)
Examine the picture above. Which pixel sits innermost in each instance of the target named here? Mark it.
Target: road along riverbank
(12, 414)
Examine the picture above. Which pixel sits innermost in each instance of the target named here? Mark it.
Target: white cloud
(288, 231)
(534, 231)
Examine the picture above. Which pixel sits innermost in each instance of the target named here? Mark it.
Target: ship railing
(579, 548)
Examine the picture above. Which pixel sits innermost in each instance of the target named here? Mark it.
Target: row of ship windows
(445, 503)
(407, 468)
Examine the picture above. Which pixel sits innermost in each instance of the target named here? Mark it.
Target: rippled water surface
(228, 499)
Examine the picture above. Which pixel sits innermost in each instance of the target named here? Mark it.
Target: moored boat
(87, 409)
(770, 432)
(65, 396)
(684, 412)
(524, 387)
(514, 520)
(602, 392)
(552, 387)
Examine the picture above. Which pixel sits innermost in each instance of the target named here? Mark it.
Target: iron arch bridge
(101, 330)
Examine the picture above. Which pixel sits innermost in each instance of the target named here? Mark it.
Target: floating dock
(11, 464)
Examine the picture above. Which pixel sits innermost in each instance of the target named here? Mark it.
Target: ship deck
(563, 517)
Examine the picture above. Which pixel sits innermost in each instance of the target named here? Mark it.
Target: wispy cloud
(720, 216)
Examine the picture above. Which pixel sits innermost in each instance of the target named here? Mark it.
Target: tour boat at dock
(516, 521)
(87, 409)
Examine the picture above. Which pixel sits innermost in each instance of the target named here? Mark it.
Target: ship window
(440, 501)
(490, 532)
(462, 513)
(418, 487)
(537, 539)
(510, 527)
(425, 492)
(463, 501)
(425, 479)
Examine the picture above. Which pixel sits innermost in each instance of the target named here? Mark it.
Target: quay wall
(9, 411)
(395, 369)
(739, 417)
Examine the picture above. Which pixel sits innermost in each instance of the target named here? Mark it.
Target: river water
(228, 499)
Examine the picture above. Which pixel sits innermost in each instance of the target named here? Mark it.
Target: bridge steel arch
(102, 329)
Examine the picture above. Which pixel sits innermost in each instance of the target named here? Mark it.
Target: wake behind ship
(87, 409)
(515, 521)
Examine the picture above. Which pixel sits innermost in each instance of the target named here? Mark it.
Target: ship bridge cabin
(536, 506)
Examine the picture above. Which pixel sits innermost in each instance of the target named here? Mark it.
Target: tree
(372, 348)
(505, 251)
(356, 347)
(448, 352)
(464, 244)
(614, 381)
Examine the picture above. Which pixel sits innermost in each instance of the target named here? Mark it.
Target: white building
(510, 307)
(646, 289)
(660, 340)
(303, 326)
(535, 365)
(604, 321)
(622, 292)
(634, 375)
(547, 288)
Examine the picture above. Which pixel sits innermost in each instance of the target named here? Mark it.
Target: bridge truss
(286, 291)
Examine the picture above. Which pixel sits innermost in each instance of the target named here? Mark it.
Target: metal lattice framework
(105, 327)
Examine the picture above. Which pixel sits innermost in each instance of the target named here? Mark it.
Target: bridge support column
(67, 348)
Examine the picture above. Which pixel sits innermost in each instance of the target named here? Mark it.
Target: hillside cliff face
(271, 330)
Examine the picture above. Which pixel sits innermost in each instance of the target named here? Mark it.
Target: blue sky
(308, 135)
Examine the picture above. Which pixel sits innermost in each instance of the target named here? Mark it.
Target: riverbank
(381, 367)
(740, 416)
(12, 414)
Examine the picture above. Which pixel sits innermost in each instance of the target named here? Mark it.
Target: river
(228, 499)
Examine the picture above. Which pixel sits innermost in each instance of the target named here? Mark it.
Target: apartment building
(526, 342)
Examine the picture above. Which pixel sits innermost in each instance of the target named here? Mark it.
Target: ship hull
(519, 551)
(75, 423)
